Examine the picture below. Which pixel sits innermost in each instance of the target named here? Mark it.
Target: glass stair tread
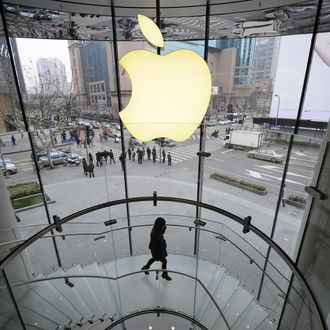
(203, 298)
(101, 288)
(267, 324)
(251, 318)
(96, 298)
(49, 293)
(28, 298)
(71, 295)
(83, 286)
(237, 304)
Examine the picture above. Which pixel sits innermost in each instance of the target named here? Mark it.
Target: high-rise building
(244, 60)
(90, 73)
(52, 75)
(7, 83)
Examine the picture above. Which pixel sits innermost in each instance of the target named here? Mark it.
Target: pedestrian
(129, 153)
(139, 155)
(78, 142)
(154, 154)
(105, 155)
(111, 156)
(158, 247)
(85, 166)
(133, 156)
(164, 155)
(148, 153)
(283, 196)
(22, 135)
(169, 159)
(13, 140)
(90, 169)
(90, 157)
(122, 160)
(63, 136)
(98, 159)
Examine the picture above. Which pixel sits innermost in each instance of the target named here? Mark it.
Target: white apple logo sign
(170, 94)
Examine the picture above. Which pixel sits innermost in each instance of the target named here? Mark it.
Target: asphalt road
(184, 159)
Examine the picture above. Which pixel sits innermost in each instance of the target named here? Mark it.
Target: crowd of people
(107, 157)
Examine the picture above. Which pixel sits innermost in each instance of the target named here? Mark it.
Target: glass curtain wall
(64, 148)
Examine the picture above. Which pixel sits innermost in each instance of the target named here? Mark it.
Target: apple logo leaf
(150, 31)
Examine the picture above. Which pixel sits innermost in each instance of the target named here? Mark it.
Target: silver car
(58, 157)
(267, 154)
(10, 167)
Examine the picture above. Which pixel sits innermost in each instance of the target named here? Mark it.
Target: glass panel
(8, 314)
(299, 310)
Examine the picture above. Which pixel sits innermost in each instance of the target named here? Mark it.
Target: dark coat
(157, 243)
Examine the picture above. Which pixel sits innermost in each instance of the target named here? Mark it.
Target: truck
(246, 140)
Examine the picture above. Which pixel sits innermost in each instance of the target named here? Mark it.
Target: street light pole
(278, 107)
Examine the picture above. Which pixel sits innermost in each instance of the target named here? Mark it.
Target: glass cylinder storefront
(63, 149)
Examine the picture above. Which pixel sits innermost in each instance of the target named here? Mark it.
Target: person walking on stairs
(158, 246)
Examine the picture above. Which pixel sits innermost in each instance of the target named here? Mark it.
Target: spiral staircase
(218, 278)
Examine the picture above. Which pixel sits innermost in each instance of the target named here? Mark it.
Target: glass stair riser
(72, 295)
(100, 288)
(28, 298)
(251, 318)
(83, 286)
(49, 293)
(237, 305)
(202, 299)
(94, 298)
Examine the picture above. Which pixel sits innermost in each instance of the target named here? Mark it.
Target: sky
(30, 50)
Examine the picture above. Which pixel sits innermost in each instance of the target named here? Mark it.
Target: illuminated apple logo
(170, 94)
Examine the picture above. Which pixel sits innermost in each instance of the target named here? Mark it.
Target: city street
(72, 190)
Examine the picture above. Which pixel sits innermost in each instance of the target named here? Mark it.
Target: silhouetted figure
(13, 140)
(158, 246)
(148, 153)
(85, 166)
(133, 156)
(164, 155)
(90, 157)
(169, 159)
(122, 159)
(90, 169)
(154, 154)
(112, 158)
(129, 153)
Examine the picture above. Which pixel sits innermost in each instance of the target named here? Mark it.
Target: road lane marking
(217, 160)
(277, 169)
(260, 176)
(224, 152)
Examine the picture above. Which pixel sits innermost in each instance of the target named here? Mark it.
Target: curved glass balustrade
(218, 274)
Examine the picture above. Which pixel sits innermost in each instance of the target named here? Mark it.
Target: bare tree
(47, 109)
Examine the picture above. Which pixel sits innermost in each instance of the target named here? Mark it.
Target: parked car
(212, 123)
(43, 153)
(58, 157)
(267, 154)
(134, 142)
(73, 155)
(165, 142)
(8, 166)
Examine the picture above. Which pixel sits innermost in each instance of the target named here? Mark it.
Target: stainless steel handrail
(246, 226)
(123, 276)
(169, 225)
(152, 214)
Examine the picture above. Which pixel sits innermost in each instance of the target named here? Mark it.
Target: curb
(237, 184)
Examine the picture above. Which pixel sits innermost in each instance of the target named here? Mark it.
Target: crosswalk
(179, 154)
